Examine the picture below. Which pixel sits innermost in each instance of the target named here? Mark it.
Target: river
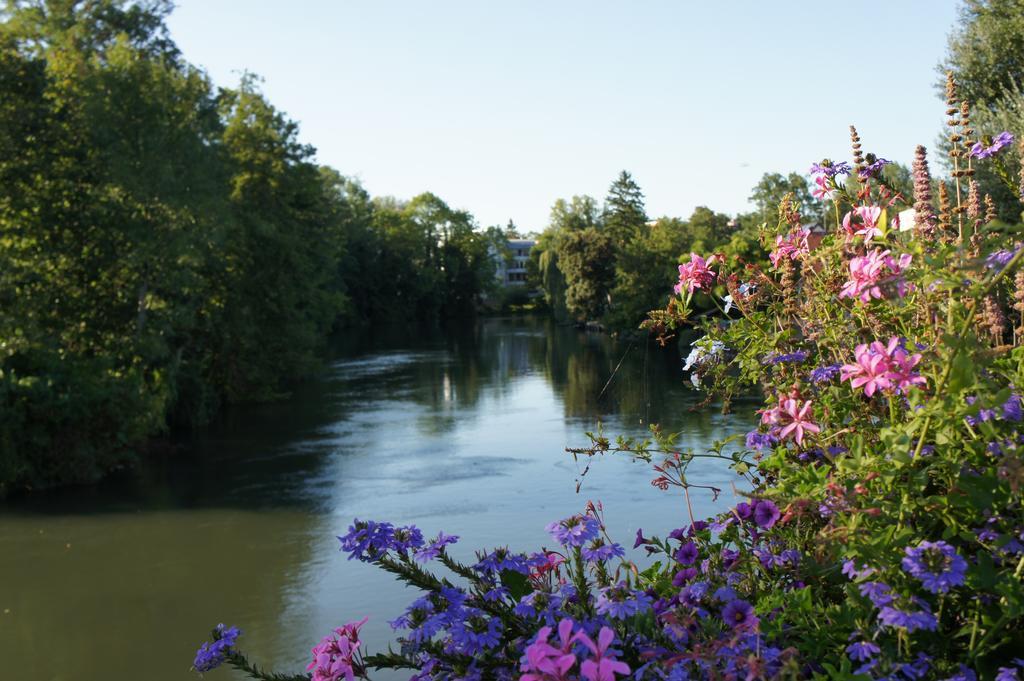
(462, 430)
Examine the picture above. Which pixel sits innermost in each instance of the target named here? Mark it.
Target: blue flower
(434, 548)
(575, 530)
(862, 651)
(758, 441)
(502, 559)
(936, 564)
(879, 593)
(909, 620)
(826, 373)
(212, 655)
(367, 540)
(620, 602)
(599, 551)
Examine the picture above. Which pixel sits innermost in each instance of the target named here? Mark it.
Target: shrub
(883, 536)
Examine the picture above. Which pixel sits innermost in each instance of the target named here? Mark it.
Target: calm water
(462, 431)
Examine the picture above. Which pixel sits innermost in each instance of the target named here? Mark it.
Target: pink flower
(601, 668)
(868, 225)
(867, 271)
(335, 656)
(870, 370)
(881, 367)
(795, 420)
(820, 190)
(695, 274)
(545, 662)
(791, 246)
(902, 374)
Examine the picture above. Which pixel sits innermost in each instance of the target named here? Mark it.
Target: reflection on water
(461, 430)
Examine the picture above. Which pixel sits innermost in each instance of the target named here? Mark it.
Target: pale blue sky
(501, 108)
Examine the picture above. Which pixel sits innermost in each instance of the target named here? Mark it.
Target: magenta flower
(791, 246)
(880, 367)
(870, 370)
(868, 271)
(695, 274)
(821, 189)
(601, 668)
(795, 420)
(545, 662)
(335, 657)
(863, 221)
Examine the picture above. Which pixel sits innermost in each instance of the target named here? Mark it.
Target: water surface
(462, 430)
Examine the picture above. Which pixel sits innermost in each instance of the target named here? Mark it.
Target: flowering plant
(882, 534)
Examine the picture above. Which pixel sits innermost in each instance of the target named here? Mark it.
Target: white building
(513, 271)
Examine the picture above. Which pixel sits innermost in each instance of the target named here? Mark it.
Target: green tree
(624, 215)
(587, 261)
(986, 56)
(768, 192)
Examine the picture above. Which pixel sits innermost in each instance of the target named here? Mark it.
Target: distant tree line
(168, 247)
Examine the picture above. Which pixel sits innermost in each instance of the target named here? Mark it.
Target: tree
(768, 192)
(986, 52)
(986, 57)
(624, 216)
(587, 260)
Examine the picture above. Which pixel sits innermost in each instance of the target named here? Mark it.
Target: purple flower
(862, 651)
(999, 259)
(640, 539)
(598, 551)
(824, 374)
(965, 674)
(1012, 409)
(851, 571)
(911, 621)
(980, 150)
(1007, 674)
(683, 576)
(725, 594)
(830, 169)
(620, 602)
(758, 441)
(879, 593)
(500, 560)
(766, 513)
(575, 530)
(687, 553)
(739, 615)
(744, 510)
(212, 655)
(936, 564)
(873, 167)
(434, 548)
(367, 540)
(918, 668)
(794, 357)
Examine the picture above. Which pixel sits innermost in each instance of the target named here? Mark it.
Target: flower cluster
(212, 655)
(883, 367)
(696, 274)
(792, 246)
(337, 655)
(868, 272)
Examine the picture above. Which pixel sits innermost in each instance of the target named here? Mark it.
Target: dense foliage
(986, 56)
(883, 534)
(167, 246)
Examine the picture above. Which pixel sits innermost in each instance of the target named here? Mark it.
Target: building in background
(512, 272)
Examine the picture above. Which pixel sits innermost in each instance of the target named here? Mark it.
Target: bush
(883, 536)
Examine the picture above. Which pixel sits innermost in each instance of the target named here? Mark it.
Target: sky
(502, 108)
